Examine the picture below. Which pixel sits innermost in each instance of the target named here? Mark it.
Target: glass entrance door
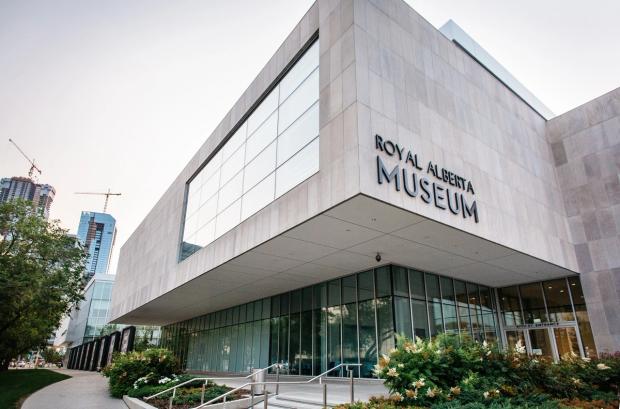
(554, 341)
(540, 343)
(566, 341)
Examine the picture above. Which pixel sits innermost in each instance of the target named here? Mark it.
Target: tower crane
(33, 166)
(106, 194)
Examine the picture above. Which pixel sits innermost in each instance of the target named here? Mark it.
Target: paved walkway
(84, 390)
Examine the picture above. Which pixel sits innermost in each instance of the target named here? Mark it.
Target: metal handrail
(206, 380)
(252, 384)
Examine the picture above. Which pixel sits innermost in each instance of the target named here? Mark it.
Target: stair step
(309, 402)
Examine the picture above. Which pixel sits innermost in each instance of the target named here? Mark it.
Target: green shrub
(133, 370)
(452, 371)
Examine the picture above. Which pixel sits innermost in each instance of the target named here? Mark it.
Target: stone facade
(586, 152)
(416, 87)
(548, 190)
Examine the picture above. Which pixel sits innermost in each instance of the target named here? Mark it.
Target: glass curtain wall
(271, 152)
(548, 303)
(352, 319)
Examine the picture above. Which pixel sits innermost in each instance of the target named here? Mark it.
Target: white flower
(164, 380)
(392, 372)
(378, 369)
(430, 392)
(397, 396)
(419, 383)
(586, 359)
(486, 395)
(401, 365)
(520, 348)
(393, 351)
(386, 359)
(602, 367)
(485, 345)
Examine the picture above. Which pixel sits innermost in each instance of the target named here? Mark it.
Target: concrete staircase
(293, 402)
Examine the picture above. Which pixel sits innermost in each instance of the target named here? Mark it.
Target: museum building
(382, 178)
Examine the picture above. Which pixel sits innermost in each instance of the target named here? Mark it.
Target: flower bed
(453, 372)
(142, 374)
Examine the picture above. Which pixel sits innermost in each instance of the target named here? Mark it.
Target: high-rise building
(89, 321)
(17, 187)
(97, 232)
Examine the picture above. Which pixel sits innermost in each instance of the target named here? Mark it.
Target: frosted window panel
(263, 111)
(190, 226)
(194, 187)
(257, 198)
(211, 167)
(228, 219)
(230, 192)
(206, 234)
(232, 165)
(262, 137)
(301, 166)
(261, 166)
(207, 211)
(210, 187)
(300, 100)
(192, 203)
(300, 71)
(234, 142)
(298, 134)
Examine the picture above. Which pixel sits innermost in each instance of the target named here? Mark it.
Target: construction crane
(33, 166)
(106, 194)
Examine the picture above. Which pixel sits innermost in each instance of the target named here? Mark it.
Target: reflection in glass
(511, 307)
(385, 325)
(533, 303)
(558, 301)
(367, 337)
(402, 316)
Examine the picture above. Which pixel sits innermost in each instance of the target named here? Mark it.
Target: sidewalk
(84, 390)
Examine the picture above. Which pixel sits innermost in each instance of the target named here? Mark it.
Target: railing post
(352, 387)
(174, 393)
(325, 396)
(202, 393)
(265, 396)
(277, 380)
(225, 396)
(252, 395)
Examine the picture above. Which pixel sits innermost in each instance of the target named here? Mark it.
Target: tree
(108, 329)
(41, 270)
(51, 356)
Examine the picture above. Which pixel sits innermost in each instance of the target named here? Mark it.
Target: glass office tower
(97, 232)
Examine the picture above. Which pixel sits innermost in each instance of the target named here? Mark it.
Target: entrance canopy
(344, 240)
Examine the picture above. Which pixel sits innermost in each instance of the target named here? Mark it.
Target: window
(270, 153)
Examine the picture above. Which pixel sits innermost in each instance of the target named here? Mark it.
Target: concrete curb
(135, 403)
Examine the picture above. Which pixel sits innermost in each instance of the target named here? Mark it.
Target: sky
(120, 94)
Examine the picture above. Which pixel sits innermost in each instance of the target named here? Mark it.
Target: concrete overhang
(340, 241)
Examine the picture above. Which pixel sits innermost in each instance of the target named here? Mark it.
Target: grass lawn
(19, 383)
